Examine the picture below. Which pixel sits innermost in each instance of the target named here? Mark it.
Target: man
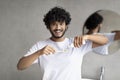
(59, 60)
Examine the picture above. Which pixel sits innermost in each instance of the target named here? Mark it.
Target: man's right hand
(47, 50)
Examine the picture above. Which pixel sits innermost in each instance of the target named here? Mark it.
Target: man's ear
(100, 25)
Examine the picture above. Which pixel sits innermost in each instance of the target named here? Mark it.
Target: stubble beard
(57, 37)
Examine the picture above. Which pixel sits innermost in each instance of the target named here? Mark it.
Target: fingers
(80, 40)
(77, 41)
(48, 50)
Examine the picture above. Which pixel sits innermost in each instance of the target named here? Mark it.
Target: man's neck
(57, 39)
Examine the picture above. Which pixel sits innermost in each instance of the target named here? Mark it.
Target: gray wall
(21, 26)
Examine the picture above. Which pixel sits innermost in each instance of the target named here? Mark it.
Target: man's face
(58, 29)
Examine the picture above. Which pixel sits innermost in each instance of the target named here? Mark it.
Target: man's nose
(58, 27)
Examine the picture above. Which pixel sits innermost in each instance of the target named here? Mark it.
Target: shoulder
(40, 44)
(70, 40)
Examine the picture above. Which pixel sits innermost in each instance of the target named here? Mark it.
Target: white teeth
(57, 31)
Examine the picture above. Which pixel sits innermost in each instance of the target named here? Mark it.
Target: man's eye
(53, 24)
(61, 23)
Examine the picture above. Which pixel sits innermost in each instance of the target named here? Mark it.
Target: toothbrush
(65, 50)
(70, 46)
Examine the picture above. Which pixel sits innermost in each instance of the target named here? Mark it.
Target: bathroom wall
(21, 26)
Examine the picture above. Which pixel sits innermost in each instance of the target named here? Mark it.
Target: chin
(58, 36)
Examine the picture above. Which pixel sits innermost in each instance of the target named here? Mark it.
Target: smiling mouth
(57, 31)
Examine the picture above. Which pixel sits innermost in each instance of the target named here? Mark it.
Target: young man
(58, 60)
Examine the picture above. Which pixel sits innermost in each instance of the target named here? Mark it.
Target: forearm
(97, 39)
(25, 62)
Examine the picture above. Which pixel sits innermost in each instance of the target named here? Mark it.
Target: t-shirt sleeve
(33, 49)
(104, 49)
(110, 36)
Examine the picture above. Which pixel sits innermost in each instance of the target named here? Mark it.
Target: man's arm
(97, 40)
(25, 62)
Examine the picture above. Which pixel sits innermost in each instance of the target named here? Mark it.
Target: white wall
(21, 26)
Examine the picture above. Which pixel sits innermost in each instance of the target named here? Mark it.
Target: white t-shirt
(61, 65)
(104, 49)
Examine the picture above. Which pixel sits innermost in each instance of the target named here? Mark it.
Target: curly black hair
(57, 14)
(93, 21)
